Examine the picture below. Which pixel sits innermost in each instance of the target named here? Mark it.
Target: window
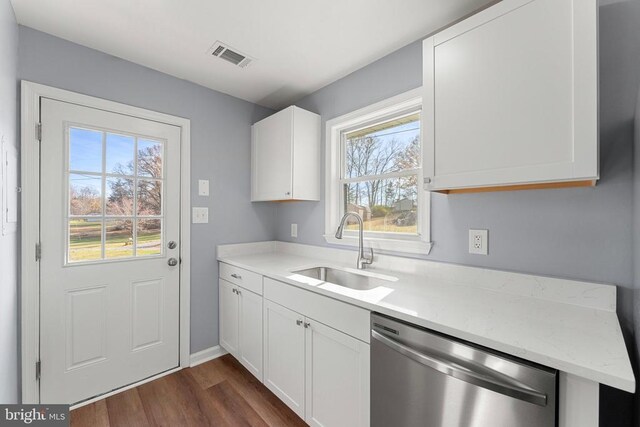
(115, 198)
(374, 168)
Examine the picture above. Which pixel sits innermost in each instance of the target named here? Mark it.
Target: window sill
(394, 245)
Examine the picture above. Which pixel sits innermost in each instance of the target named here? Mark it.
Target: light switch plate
(294, 230)
(479, 242)
(203, 187)
(200, 215)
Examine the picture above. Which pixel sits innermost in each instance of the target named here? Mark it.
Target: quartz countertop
(583, 340)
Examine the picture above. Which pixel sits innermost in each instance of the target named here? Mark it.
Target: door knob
(172, 262)
(172, 245)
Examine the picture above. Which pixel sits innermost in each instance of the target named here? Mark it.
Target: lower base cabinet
(321, 373)
(241, 325)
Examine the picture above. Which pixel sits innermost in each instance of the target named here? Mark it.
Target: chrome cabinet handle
(172, 262)
(288, 193)
(457, 371)
(234, 290)
(307, 324)
(236, 276)
(238, 292)
(298, 322)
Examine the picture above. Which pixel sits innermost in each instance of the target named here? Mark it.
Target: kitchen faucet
(362, 259)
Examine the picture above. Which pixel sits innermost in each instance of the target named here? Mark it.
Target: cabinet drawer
(241, 277)
(339, 315)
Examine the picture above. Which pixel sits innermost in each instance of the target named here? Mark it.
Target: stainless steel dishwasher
(423, 378)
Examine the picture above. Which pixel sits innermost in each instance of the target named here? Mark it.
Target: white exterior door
(284, 355)
(110, 221)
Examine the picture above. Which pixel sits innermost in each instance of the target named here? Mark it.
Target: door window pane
(149, 237)
(119, 196)
(120, 149)
(119, 238)
(108, 192)
(85, 239)
(85, 194)
(385, 205)
(149, 197)
(85, 150)
(149, 158)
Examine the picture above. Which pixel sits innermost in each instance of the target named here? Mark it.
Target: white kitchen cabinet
(511, 97)
(322, 374)
(250, 331)
(241, 325)
(285, 156)
(284, 355)
(229, 309)
(337, 378)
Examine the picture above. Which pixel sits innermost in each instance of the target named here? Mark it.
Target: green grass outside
(85, 242)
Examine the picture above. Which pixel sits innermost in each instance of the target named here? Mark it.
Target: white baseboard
(206, 355)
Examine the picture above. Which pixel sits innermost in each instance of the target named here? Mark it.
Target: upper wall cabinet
(285, 156)
(511, 97)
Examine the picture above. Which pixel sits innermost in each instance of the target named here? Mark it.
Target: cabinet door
(511, 96)
(284, 355)
(228, 317)
(337, 378)
(271, 157)
(251, 332)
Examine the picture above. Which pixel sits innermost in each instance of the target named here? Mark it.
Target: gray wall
(220, 150)
(9, 243)
(573, 233)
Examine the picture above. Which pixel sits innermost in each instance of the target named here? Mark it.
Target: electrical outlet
(479, 242)
(203, 187)
(200, 215)
(294, 230)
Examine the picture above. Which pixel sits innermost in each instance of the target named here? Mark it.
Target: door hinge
(38, 369)
(38, 251)
(39, 131)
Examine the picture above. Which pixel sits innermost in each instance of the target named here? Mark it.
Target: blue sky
(85, 154)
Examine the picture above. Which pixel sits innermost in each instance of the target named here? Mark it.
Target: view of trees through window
(126, 220)
(381, 174)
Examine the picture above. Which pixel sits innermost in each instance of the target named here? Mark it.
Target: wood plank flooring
(216, 393)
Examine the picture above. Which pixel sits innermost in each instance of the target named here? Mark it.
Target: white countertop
(582, 340)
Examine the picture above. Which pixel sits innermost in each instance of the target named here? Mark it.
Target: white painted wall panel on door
(506, 101)
(229, 306)
(271, 157)
(337, 378)
(250, 335)
(284, 355)
(344, 317)
(147, 300)
(244, 278)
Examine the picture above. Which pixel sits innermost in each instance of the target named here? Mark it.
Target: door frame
(30, 217)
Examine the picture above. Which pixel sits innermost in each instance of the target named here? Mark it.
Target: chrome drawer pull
(236, 276)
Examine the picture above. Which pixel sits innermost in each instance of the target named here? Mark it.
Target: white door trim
(30, 212)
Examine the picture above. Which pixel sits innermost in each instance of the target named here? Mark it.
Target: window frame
(336, 129)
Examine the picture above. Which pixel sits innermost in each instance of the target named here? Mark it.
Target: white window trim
(413, 244)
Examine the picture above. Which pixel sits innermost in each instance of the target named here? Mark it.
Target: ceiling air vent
(229, 54)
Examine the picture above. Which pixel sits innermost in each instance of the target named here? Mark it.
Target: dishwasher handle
(491, 383)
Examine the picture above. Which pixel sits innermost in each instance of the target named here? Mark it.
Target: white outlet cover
(479, 242)
(200, 215)
(203, 187)
(294, 230)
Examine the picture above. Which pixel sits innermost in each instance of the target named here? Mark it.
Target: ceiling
(299, 46)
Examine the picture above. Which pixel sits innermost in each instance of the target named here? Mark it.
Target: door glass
(113, 179)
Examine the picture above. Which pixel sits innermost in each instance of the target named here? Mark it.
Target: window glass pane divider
(134, 223)
(389, 175)
(104, 195)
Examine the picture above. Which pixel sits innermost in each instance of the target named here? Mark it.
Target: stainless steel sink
(341, 277)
